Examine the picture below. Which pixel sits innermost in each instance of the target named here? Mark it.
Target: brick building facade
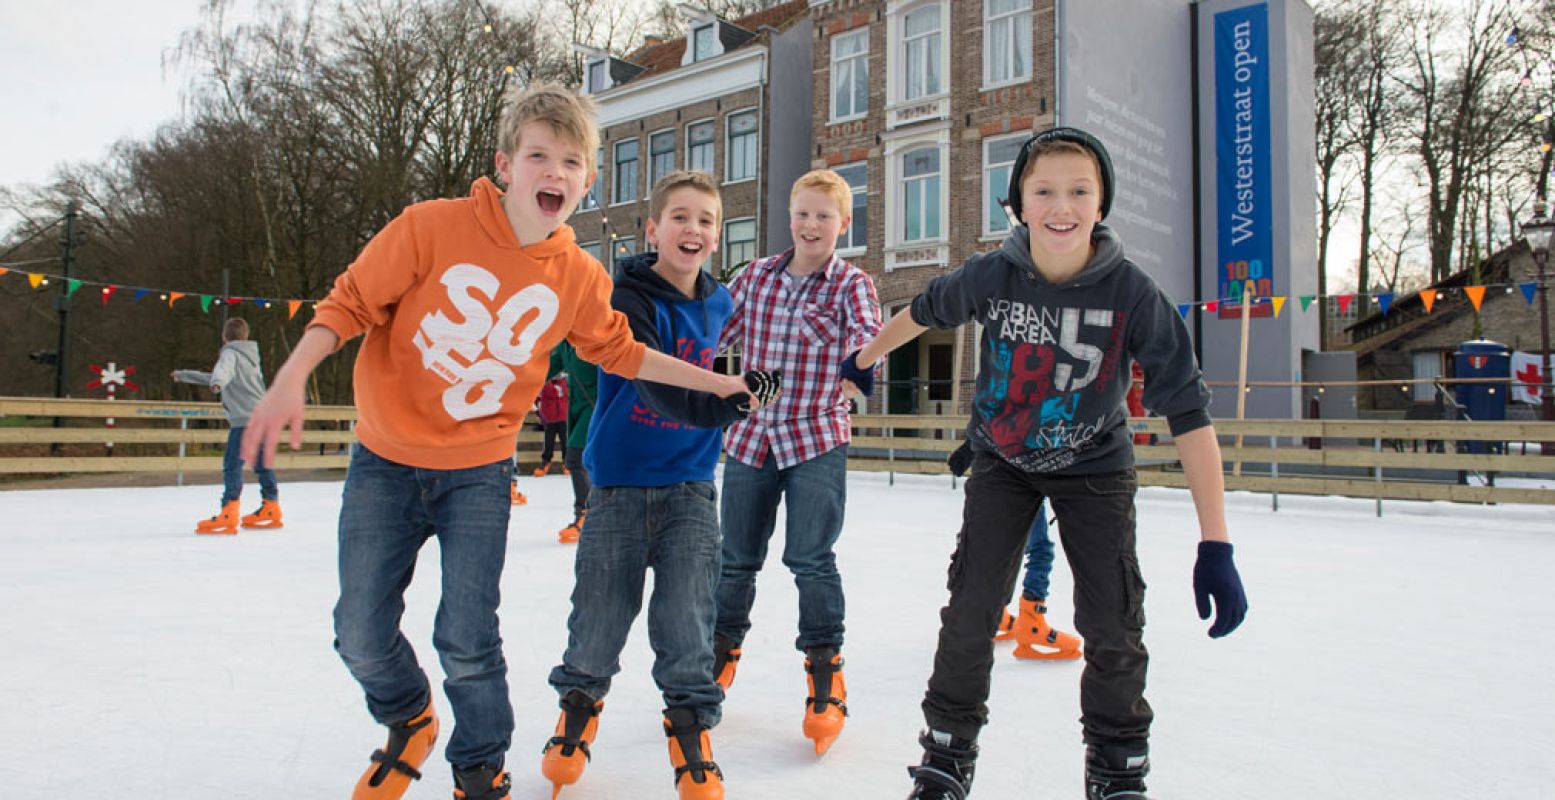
(921, 106)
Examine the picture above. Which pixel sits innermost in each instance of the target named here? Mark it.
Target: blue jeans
(674, 530)
(232, 471)
(814, 494)
(1039, 557)
(388, 512)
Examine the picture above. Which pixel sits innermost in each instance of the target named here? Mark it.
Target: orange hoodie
(460, 322)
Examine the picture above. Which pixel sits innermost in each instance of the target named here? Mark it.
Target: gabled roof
(667, 55)
(1495, 269)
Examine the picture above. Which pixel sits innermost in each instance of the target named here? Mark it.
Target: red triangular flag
(1344, 303)
(1212, 306)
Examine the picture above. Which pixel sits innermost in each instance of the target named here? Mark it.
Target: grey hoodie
(237, 373)
(1056, 358)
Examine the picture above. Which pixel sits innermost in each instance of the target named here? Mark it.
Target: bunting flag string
(1385, 300)
(106, 291)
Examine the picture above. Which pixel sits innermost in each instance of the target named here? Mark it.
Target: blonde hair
(570, 116)
(683, 179)
(235, 330)
(824, 180)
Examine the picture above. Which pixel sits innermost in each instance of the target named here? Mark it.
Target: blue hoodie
(651, 434)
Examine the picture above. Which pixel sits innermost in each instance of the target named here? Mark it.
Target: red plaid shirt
(805, 331)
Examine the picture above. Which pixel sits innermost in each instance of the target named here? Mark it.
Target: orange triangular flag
(34, 279)
(1279, 304)
(3, 270)
(1476, 295)
(291, 308)
(172, 297)
(1428, 296)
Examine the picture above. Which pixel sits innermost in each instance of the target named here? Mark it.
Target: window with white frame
(1006, 41)
(703, 43)
(699, 145)
(661, 156)
(590, 199)
(740, 156)
(624, 176)
(922, 55)
(857, 176)
(921, 186)
(598, 76)
(998, 159)
(850, 74)
(739, 241)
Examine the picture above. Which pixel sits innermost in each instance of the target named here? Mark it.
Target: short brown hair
(1041, 148)
(831, 183)
(683, 179)
(570, 116)
(235, 330)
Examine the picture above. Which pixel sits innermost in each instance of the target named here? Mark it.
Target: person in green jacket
(582, 388)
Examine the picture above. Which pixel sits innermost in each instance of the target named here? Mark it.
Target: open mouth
(690, 248)
(550, 201)
(1061, 228)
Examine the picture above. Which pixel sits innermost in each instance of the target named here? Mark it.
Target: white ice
(1402, 657)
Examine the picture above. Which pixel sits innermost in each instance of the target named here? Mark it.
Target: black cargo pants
(1096, 526)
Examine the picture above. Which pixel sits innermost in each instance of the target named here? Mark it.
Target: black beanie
(1077, 136)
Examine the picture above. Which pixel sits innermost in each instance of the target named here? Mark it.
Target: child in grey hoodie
(1064, 315)
(236, 378)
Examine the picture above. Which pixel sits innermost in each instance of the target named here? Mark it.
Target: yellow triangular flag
(1476, 295)
(1279, 304)
(172, 297)
(34, 279)
(291, 308)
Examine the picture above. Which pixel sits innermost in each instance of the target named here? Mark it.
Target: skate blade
(1029, 653)
(824, 743)
(556, 789)
(218, 532)
(264, 526)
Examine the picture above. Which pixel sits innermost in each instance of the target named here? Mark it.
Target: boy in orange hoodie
(461, 302)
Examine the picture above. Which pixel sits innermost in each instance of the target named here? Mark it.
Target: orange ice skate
(567, 753)
(691, 754)
(1035, 639)
(826, 709)
(399, 762)
(268, 516)
(226, 521)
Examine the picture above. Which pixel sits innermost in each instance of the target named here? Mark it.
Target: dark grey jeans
(1096, 525)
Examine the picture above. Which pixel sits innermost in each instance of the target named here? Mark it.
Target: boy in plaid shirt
(799, 313)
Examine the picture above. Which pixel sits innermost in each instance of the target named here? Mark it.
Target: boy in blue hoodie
(651, 453)
(1063, 315)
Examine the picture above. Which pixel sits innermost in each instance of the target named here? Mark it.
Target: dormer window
(704, 42)
(598, 76)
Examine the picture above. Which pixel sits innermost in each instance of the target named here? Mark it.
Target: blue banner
(1244, 190)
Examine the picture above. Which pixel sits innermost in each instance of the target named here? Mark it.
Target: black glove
(864, 379)
(741, 403)
(960, 460)
(1215, 575)
(764, 385)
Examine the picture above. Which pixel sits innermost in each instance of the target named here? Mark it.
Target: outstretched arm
(899, 331)
(282, 405)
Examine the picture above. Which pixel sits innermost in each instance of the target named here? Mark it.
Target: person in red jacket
(553, 417)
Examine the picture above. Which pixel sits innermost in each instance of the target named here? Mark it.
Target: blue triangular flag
(1182, 310)
(139, 293)
(1385, 299)
(1528, 290)
(261, 302)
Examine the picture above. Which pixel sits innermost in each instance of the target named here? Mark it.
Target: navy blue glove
(864, 379)
(960, 460)
(1214, 575)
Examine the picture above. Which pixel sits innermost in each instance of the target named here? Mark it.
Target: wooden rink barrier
(1381, 459)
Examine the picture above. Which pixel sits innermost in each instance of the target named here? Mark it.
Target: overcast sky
(79, 76)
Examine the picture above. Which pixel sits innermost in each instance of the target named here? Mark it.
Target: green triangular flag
(1306, 300)
(205, 303)
(71, 285)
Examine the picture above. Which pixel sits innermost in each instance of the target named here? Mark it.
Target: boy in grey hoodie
(236, 378)
(1064, 314)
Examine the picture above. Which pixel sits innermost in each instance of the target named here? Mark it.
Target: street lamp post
(1538, 232)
